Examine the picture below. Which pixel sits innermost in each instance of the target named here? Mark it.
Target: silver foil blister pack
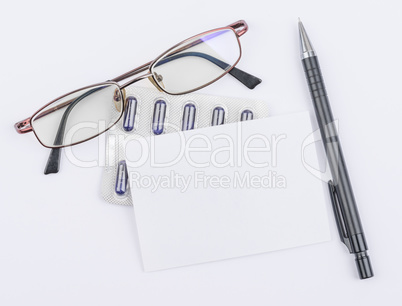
(151, 113)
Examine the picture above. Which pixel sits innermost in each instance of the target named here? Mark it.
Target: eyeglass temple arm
(53, 162)
(247, 79)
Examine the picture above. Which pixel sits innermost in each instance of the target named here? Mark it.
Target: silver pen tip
(306, 48)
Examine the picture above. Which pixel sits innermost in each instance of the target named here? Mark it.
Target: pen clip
(339, 217)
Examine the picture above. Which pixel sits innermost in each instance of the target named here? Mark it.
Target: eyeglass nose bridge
(147, 75)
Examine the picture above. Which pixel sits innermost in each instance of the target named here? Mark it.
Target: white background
(61, 244)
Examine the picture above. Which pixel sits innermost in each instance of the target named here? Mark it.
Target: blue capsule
(246, 115)
(121, 178)
(188, 117)
(129, 114)
(158, 121)
(218, 116)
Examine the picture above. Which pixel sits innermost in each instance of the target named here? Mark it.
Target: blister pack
(151, 113)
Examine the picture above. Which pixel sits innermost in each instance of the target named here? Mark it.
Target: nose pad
(118, 99)
(159, 78)
(151, 79)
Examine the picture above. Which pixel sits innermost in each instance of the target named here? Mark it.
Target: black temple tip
(247, 79)
(53, 162)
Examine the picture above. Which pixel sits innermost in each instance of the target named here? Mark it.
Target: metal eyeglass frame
(239, 28)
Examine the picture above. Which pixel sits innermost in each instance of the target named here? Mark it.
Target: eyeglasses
(85, 113)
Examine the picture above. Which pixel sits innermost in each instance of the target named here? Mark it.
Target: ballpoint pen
(346, 214)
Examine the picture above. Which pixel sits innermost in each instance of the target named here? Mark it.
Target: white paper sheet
(206, 195)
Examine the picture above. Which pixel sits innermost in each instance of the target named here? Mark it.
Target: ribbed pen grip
(317, 89)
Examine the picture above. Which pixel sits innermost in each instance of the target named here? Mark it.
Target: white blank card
(227, 191)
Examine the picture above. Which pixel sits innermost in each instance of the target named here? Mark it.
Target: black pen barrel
(332, 145)
(336, 161)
